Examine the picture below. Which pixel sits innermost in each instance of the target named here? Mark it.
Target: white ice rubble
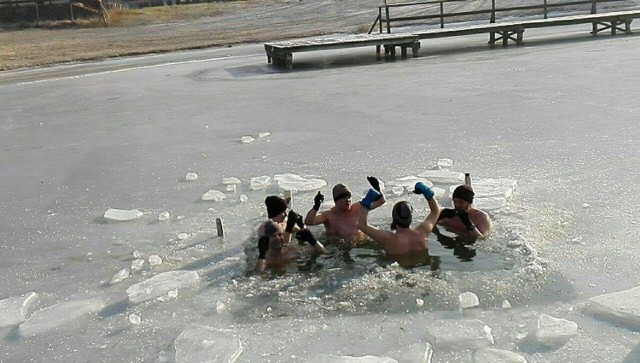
(164, 216)
(17, 309)
(492, 355)
(491, 194)
(160, 285)
(199, 343)
(550, 332)
(259, 182)
(214, 195)
(468, 300)
(622, 307)
(328, 358)
(120, 276)
(58, 315)
(121, 215)
(191, 176)
(231, 180)
(297, 183)
(443, 176)
(409, 181)
(414, 353)
(459, 334)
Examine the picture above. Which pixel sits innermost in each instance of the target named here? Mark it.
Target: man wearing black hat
(277, 212)
(275, 252)
(463, 219)
(405, 239)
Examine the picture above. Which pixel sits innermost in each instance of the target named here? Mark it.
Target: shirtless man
(405, 239)
(341, 221)
(275, 252)
(277, 212)
(464, 220)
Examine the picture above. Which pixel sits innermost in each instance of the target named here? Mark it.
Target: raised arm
(372, 198)
(434, 209)
(313, 217)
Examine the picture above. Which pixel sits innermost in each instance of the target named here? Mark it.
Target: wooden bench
(281, 53)
(514, 30)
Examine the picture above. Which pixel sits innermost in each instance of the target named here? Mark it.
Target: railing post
(493, 11)
(593, 7)
(545, 9)
(386, 9)
(441, 14)
(380, 17)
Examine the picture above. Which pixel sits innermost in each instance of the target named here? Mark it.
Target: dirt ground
(250, 21)
(239, 22)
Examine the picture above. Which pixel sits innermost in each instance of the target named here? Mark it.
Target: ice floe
(17, 309)
(58, 315)
(122, 215)
(206, 344)
(161, 284)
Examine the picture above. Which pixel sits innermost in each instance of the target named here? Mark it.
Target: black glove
(447, 213)
(293, 218)
(306, 236)
(464, 217)
(375, 184)
(263, 246)
(317, 201)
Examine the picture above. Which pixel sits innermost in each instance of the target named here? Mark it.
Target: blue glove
(371, 197)
(422, 188)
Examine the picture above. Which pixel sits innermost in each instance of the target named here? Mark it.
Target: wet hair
(341, 191)
(275, 205)
(271, 228)
(402, 215)
(464, 192)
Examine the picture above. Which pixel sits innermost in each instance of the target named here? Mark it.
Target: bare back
(342, 224)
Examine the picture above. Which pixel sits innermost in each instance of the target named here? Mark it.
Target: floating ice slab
(552, 332)
(490, 203)
(247, 139)
(409, 182)
(443, 176)
(161, 284)
(468, 300)
(264, 134)
(484, 188)
(298, 183)
(164, 216)
(622, 307)
(491, 355)
(213, 195)
(259, 182)
(459, 334)
(444, 163)
(231, 188)
(205, 344)
(122, 215)
(17, 309)
(120, 276)
(58, 315)
(328, 358)
(231, 180)
(414, 353)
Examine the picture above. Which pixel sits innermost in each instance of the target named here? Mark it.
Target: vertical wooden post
(545, 9)
(593, 7)
(71, 11)
(37, 14)
(441, 14)
(492, 35)
(386, 9)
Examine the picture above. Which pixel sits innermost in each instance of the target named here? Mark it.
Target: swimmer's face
(276, 241)
(461, 204)
(280, 217)
(344, 203)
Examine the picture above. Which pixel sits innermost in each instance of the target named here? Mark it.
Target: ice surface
(459, 334)
(120, 276)
(298, 183)
(199, 343)
(622, 307)
(191, 176)
(17, 309)
(122, 214)
(164, 216)
(468, 300)
(58, 315)
(161, 284)
(398, 191)
(492, 355)
(414, 353)
(489, 203)
(259, 182)
(213, 195)
(231, 180)
(409, 182)
(328, 358)
(484, 188)
(443, 176)
(552, 332)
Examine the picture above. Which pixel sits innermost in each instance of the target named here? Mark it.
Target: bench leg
(627, 27)
(403, 51)
(415, 48)
(519, 37)
(288, 60)
(614, 26)
(505, 38)
(492, 38)
(377, 49)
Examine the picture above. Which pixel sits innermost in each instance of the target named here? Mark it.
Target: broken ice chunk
(552, 332)
(444, 163)
(17, 309)
(247, 139)
(191, 176)
(183, 235)
(264, 134)
(160, 284)
(231, 180)
(58, 315)
(622, 307)
(214, 195)
(120, 275)
(329, 358)
(492, 355)
(122, 214)
(155, 260)
(459, 334)
(409, 182)
(484, 188)
(137, 264)
(398, 191)
(294, 182)
(205, 344)
(506, 304)
(164, 216)
(231, 188)
(259, 182)
(489, 203)
(135, 319)
(443, 176)
(468, 300)
(243, 198)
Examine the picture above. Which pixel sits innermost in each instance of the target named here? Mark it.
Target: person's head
(402, 215)
(273, 230)
(276, 208)
(463, 197)
(342, 196)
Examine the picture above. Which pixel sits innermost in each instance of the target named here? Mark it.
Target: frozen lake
(558, 116)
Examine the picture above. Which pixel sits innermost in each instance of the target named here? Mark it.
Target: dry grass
(162, 14)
